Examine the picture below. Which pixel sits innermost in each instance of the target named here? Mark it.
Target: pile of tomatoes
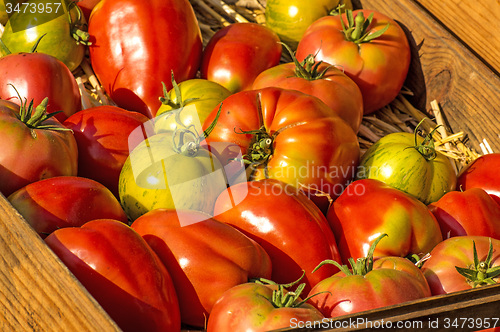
(225, 189)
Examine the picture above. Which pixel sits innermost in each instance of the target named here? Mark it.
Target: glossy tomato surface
(482, 173)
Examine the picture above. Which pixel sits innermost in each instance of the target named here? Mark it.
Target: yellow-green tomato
(156, 175)
(290, 18)
(197, 96)
(416, 169)
(4, 17)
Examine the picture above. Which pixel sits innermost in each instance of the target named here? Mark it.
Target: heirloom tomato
(205, 257)
(65, 201)
(261, 306)
(38, 76)
(368, 208)
(368, 284)
(291, 229)
(61, 24)
(471, 212)
(87, 6)
(137, 44)
(102, 134)
(289, 136)
(237, 53)
(321, 80)
(409, 163)
(123, 274)
(370, 47)
(34, 146)
(482, 173)
(463, 262)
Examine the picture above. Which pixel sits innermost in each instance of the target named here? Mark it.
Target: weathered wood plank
(37, 292)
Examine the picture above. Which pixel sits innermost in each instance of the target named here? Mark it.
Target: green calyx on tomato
(426, 147)
(167, 100)
(78, 28)
(355, 30)
(481, 272)
(308, 68)
(361, 266)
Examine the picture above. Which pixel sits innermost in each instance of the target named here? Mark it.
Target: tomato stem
(308, 68)
(357, 30)
(166, 100)
(481, 272)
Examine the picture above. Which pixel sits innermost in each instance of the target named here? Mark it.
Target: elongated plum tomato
(137, 44)
(33, 147)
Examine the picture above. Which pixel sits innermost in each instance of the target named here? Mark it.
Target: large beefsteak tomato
(482, 173)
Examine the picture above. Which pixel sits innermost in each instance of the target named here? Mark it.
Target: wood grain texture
(37, 292)
(476, 23)
(443, 69)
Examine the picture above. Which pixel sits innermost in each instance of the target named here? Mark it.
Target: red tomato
(38, 76)
(321, 80)
(237, 53)
(121, 272)
(204, 258)
(102, 135)
(369, 285)
(472, 212)
(379, 66)
(86, 6)
(291, 229)
(260, 307)
(458, 252)
(137, 44)
(65, 201)
(368, 208)
(289, 136)
(29, 152)
(482, 173)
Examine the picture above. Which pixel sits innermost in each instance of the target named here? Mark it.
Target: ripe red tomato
(368, 208)
(137, 44)
(379, 66)
(289, 136)
(65, 201)
(236, 54)
(205, 258)
(472, 212)
(30, 152)
(321, 80)
(102, 135)
(441, 271)
(38, 76)
(291, 229)
(123, 274)
(482, 173)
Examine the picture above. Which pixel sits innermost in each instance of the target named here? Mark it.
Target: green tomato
(50, 19)
(416, 169)
(156, 175)
(198, 96)
(4, 17)
(290, 18)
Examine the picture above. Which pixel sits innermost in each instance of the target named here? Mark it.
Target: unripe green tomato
(394, 160)
(290, 18)
(25, 27)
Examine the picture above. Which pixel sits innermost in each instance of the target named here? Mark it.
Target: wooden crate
(457, 67)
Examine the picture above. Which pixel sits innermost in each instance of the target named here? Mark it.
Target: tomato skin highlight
(481, 174)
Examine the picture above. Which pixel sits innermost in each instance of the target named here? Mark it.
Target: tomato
(237, 53)
(123, 274)
(161, 173)
(38, 76)
(368, 208)
(34, 147)
(472, 212)
(102, 135)
(456, 254)
(65, 201)
(291, 229)
(137, 44)
(409, 163)
(205, 258)
(86, 6)
(261, 306)
(481, 173)
(61, 24)
(289, 136)
(321, 80)
(377, 63)
(4, 17)
(369, 284)
(199, 94)
(290, 18)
